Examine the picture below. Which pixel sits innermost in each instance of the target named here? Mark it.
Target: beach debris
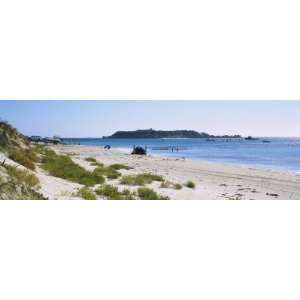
(139, 151)
(272, 194)
(223, 184)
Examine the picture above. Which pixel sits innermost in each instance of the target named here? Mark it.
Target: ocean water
(280, 154)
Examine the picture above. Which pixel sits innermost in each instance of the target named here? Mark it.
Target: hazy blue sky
(98, 118)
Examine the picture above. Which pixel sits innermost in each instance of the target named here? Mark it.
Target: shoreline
(213, 180)
(229, 164)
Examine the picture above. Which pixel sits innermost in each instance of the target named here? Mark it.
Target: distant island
(160, 134)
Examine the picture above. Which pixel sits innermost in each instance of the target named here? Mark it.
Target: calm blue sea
(279, 154)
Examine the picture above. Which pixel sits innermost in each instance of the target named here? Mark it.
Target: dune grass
(19, 185)
(108, 172)
(120, 167)
(63, 167)
(112, 193)
(190, 184)
(145, 193)
(23, 177)
(170, 185)
(24, 157)
(87, 194)
(140, 179)
(93, 162)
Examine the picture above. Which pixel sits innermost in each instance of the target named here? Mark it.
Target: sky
(102, 118)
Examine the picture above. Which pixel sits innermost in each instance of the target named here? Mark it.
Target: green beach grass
(63, 167)
(20, 185)
(87, 194)
(145, 193)
(140, 179)
(112, 193)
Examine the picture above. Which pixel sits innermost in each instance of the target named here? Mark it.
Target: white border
(149, 250)
(155, 50)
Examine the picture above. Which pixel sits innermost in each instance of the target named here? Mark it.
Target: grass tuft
(149, 194)
(140, 179)
(87, 194)
(120, 167)
(190, 184)
(112, 193)
(170, 185)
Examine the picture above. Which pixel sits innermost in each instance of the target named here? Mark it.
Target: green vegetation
(25, 157)
(190, 184)
(62, 166)
(158, 134)
(120, 167)
(87, 194)
(23, 177)
(140, 179)
(170, 185)
(148, 194)
(112, 193)
(108, 172)
(16, 146)
(94, 162)
(9, 136)
(18, 184)
(177, 186)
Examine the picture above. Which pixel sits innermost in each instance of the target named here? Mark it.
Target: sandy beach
(212, 180)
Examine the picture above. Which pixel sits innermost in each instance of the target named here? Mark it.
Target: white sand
(213, 181)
